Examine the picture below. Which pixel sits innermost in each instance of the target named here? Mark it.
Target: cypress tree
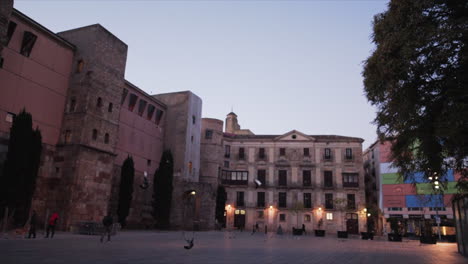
(18, 181)
(221, 198)
(126, 190)
(163, 190)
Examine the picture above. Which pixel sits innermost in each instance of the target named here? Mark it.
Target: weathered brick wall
(199, 211)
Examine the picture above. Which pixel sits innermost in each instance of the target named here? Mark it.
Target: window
(68, 136)
(124, 95)
(193, 119)
(415, 208)
(190, 167)
(350, 180)
(260, 199)
(240, 199)
(79, 66)
(208, 134)
(261, 153)
(329, 216)
(106, 138)
(306, 178)
(436, 208)
(307, 200)
(159, 114)
(327, 154)
(349, 154)
(10, 32)
(226, 164)
(141, 107)
(132, 102)
(294, 136)
(282, 199)
(99, 102)
(227, 151)
(306, 152)
(395, 209)
(72, 105)
(10, 117)
(109, 108)
(260, 215)
(234, 177)
(329, 201)
(351, 201)
(282, 152)
(282, 217)
(1, 62)
(150, 112)
(29, 39)
(307, 218)
(241, 153)
(282, 181)
(191, 139)
(328, 179)
(94, 134)
(148, 163)
(261, 176)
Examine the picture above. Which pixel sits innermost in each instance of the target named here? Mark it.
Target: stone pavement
(131, 247)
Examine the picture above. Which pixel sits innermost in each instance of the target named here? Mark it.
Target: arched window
(99, 102)
(106, 138)
(94, 134)
(109, 109)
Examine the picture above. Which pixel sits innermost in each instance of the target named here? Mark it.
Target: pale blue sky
(282, 65)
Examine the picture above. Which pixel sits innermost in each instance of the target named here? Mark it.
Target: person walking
(51, 226)
(32, 225)
(107, 221)
(303, 230)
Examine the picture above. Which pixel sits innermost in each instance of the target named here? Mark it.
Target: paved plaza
(220, 247)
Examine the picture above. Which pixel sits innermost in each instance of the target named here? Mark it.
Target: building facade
(410, 200)
(92, 119)
(303, 178)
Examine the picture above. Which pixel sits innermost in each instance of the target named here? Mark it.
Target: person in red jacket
(51, 226)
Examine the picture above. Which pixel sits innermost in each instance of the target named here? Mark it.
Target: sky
(279, 65)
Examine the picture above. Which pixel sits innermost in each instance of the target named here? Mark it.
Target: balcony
(327, 158)
(234, 182)
(350, 184)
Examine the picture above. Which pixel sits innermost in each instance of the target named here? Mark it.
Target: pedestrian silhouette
(51, 226)
(32, 225)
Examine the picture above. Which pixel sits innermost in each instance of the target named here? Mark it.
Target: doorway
(352, 225)
(239, 219)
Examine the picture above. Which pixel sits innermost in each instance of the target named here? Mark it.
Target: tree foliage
(163, 190)
(417, 78)
(221, 197)
(18, 180)
(126, 190)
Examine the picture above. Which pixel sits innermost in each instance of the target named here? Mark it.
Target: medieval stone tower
(90, 125)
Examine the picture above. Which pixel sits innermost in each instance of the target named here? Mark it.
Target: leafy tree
(126, 190)
(221, 197)
(163, 190)
(18, 181)
(417, 78)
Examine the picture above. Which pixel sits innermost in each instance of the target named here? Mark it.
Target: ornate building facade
(286, 180)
